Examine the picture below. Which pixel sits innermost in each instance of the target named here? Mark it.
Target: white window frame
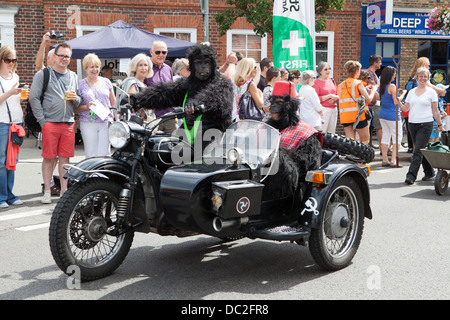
(7, 24)
(246, 32)
(80, 32)
(191, 31)
(330, 51)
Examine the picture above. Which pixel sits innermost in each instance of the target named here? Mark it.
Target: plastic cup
(24, 93)
(69, 91)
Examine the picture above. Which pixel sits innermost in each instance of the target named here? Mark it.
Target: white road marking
(24, 214)
(34, 227)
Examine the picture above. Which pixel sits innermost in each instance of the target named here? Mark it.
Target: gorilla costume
(205, 85)
(300, 143)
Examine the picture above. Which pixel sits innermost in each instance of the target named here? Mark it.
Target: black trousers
(420, 134)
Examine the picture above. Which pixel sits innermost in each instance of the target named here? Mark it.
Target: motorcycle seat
(326, 155)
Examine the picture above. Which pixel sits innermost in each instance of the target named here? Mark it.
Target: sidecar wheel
(78, 226)
(334, 244)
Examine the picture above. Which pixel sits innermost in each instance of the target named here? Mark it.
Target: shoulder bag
(15, 138)
(248, 108)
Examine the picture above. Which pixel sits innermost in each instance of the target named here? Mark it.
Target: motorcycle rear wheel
(77, 232)
(334, 244)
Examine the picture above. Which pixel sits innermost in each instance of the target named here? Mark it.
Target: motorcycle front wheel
(335, 243)
(79, 226)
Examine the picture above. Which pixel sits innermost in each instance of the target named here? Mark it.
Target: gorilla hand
(190, 106)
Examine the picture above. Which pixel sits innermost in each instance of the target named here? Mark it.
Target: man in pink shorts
(55, 114)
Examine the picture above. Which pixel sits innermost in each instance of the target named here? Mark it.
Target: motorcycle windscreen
(257, 143)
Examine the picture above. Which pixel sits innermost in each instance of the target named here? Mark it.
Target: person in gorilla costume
(205, 85)
(300, 144)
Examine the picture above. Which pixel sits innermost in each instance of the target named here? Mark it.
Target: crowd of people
(364, 103)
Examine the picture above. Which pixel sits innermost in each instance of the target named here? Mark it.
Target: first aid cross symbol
(293, 43)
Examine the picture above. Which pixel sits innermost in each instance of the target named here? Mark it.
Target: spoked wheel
(79, 230)
(335, 243)
(441, 182)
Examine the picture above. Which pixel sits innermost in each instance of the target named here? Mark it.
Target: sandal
(385, 164)
(394, 165)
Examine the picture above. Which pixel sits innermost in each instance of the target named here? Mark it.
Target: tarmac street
(403, 253)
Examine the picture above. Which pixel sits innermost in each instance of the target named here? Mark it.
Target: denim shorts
(361, 124)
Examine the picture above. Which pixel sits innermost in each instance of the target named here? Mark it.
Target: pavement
(404, 158)
(31, 153)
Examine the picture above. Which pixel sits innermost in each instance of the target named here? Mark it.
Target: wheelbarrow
(441, 161)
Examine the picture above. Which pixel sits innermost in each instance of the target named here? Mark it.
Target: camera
(54, 35)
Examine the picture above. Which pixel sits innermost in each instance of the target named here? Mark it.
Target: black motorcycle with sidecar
(151, 184)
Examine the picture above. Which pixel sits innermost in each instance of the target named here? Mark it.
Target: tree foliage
(260, 12)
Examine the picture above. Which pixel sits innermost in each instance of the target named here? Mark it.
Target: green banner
(293, 43)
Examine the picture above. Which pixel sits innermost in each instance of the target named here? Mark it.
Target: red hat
(282, 87)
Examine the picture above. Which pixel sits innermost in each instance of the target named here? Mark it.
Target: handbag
(15, 138)
(248, 108)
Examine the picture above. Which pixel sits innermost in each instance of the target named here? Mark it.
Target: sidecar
(223, 196)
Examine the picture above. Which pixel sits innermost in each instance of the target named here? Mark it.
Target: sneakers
(409, 181)
(428, 177)
(46, 198)
(18, 202)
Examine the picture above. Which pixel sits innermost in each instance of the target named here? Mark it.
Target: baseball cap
(282, 87)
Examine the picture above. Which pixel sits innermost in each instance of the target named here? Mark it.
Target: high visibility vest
(348, 95)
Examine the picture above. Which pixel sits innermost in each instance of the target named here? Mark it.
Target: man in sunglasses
(55, 114)
(161, 73)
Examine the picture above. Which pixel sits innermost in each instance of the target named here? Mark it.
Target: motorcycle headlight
(235, 155)
(119, 134)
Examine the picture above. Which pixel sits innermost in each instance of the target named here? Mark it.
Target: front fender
(106, 166)
(112, 168)
(314, 207)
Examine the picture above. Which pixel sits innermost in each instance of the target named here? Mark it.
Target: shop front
(409, 37)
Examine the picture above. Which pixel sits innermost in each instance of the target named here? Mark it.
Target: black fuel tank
(165, 151)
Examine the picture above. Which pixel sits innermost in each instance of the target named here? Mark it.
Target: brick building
(22, 24)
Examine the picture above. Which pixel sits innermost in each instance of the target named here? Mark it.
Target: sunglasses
(8, 61)
(159, 52)
(61, 56)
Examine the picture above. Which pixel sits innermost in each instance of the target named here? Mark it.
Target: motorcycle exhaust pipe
(219, 223)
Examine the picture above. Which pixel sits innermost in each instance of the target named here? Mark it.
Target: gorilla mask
(278, 104)
(202, 62)
(284, 105)
(202, 66)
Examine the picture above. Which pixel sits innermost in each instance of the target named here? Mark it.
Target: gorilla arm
(162, 95)
(217, 97)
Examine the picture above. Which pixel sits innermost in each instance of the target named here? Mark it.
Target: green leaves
(259, 13)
